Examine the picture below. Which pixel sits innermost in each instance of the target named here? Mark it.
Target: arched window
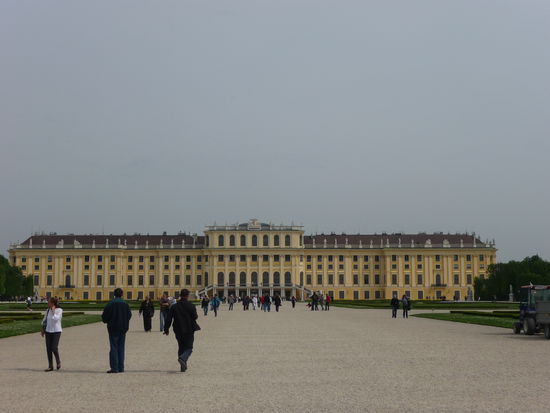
(242, 280)
(287, 240)
(265, 278)
(220, 241)
(276, 278)
(276, 240)
(243, 240)
(288, 278)
(220, 278)
(232, 240)
(231, 278)
(255, 279)
(266, 241)
(254, 241)
(438, 279)
(68, 281)
(301, 278)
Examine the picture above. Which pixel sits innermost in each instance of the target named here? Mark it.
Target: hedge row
(485, 314)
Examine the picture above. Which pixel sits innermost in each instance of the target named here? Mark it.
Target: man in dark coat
(117, 315)
(394, 306)
(277, 302)
(183, 315)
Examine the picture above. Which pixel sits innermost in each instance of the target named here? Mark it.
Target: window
(232, 240)
(36, 280)
(438, 279)
(341, 295)
(455, 266)
(419, 266)
(356, 295)
(255, 278)
(128, 295)
(112, 267)
(377, 258)
(243, 240)
(276, 242)
(111, 279)
(365, 279)
(242, 278)
(308, 279)
(394, 258)
(482, 257)
(437, 266)
(187, 279)
(151, 267)
(469, 279)
(254, 240)
(99, 280)
(205, 278)
(50, 259)
(130, 280)
(394, 279)
(98, 295)
(177, 279)
(242, 258)
(141, 258)
(407, 279)
(86, 279)
(68, 259)
(287, 258)
(320, 279)
(166, 258)
(141, 280)
(254, 258)
(301, 278)
(50, 267)
(220, 241)
(468, 258)
(129, 268)
(355, 279)
(113, 258)
(199, 279)
(276, 278)
(456, 279)
(140, 295)
(265, 278)
(341, 278)
(341, 258)
(188, 258)
(276, 258)
(266, 241)
(287, 240)
(221, 280)
(231, 258)
(166, 279)
(86, 258)
(331, 279)
(49, 280)
(355, 258)
(166, 266)
(288, 278)
(308, 258)
(420, 295)
(438, 258)
(366, 295)
(152, 258)
(406, 258)
(265, 258)
(85, 295)
(377, 295)
(177, 258)
(455, 258)
(37, 267)
(151, 280)
(67, 267)
(394, 266)
(377, 278)
(220, 258)
(141, 267)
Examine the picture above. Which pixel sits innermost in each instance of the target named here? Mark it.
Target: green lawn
(19, 327)
(427, 305)
(470, 319)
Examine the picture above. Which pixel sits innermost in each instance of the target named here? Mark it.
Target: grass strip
(19, 327)
(469, 319)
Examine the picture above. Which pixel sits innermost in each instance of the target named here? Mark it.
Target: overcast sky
(347, 116)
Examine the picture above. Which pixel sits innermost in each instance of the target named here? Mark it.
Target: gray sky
(356, 116)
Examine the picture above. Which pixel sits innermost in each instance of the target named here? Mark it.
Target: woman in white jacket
(51, 328)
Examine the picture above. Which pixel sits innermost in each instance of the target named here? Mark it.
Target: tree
(12, 281)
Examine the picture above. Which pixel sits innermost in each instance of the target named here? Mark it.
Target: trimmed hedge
(485, 314)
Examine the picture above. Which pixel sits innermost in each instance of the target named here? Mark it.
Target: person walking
(268, 303)
(204, 304)
(262, 302)
(51, 328)
(394, 306)
(164, 307)
(322, 301)
(405, 302)
(183, 316)
(231, 301)
(328, 299)
(215, 303)
(254, 303)
(117, 315)
(277, 302)
(293, 301)
(147, 310)
(29, 303)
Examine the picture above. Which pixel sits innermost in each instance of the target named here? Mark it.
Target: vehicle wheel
(529, 326)
(547, 331)
(517, 327)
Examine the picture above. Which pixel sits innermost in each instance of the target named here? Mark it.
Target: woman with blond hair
(51, 328)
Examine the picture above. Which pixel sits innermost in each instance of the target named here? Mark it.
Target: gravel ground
(293, 361)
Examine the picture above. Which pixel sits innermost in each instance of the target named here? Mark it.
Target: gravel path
(292, 361)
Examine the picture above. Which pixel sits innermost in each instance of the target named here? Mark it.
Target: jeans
(394, 312)
(230, 306)
(185, 346)
(205, 309)
(52, 342)
(116, 355)
(405, 313)
(327, 306)
(215, 309)
(162, 317)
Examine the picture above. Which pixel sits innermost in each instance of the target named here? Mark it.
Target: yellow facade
(255, 258)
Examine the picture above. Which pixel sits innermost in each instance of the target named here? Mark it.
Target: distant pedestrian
(322, 301)
(254, 302)
(405, 302)
(183, 316)
(394, 306)
(314, 302)
(147, 310)
(51, 328)
(262, 301)
(164, 307)
(277, 302)
(293, 301)
(328, 299)
(29, 303)
(204, 304)
(117, 315)
(231, 301)
(215, 304)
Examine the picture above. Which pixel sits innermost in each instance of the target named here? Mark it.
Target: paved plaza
(291, 361)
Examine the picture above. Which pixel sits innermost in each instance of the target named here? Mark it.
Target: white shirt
(53, 320)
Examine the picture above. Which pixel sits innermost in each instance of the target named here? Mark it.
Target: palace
(255, 258)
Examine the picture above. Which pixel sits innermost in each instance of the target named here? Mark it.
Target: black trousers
(147, 323)
(185, 345)
(327, 306)
(394, 312)
(405, 313)
(52, 343)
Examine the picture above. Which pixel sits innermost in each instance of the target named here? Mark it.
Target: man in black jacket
(394, 306)
(184, 315)
(116, 315)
